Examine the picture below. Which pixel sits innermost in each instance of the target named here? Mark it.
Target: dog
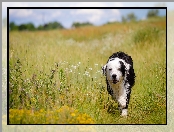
(120, 78)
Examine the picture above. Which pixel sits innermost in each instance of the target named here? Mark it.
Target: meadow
(55, 76)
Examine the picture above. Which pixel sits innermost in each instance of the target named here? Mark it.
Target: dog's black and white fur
(120, 78)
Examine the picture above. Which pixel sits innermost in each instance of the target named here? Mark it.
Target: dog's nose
(114, 76)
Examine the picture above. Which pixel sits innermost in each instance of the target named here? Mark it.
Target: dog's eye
(110, 69)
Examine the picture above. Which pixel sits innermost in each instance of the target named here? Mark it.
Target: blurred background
(39, 19)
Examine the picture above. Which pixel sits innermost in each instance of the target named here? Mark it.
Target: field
(55, 76)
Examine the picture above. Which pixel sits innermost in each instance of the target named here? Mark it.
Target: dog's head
(114, 70)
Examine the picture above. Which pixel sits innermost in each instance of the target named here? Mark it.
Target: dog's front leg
(122, 106)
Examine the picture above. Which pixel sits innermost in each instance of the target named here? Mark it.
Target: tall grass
(53, 69)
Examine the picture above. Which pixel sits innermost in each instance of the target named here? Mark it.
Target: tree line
(57, 25)
(31, 27)
(48, 26)
(132, 17)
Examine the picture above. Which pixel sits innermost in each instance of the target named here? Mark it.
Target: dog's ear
(104, 69)
(123, 68)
